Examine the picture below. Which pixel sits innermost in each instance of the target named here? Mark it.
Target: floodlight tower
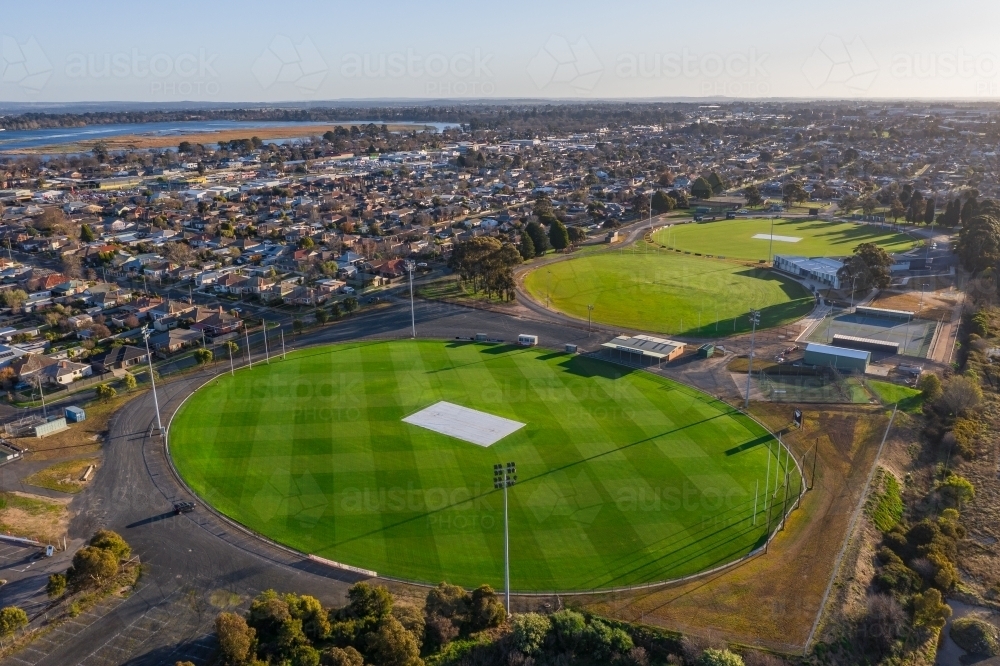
(410, 265)
(152, 380)
(504, 477)
(754, 320)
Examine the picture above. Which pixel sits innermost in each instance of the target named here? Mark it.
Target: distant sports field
(668, 293)
(623, 477)
(735, 239)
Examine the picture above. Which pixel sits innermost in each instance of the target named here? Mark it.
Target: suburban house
(118, 358)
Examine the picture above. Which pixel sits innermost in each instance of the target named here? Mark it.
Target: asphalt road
(198, 563)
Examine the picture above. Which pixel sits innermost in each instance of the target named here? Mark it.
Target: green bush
(713, 657)
(957, 490)
(529, 632)
(885, 505)
(976, 636)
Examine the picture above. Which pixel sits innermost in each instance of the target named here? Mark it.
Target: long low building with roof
(817, 269)
(638, 348)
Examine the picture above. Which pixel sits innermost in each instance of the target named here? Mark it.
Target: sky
(253, 51)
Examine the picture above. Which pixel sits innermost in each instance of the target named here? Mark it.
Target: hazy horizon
(302, 52)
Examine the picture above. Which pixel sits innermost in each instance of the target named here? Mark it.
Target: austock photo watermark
(459, 74)
(168, 75)
(736, 73)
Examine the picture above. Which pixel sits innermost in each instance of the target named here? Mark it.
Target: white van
(527, 340)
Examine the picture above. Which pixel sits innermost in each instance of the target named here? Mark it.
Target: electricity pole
(504, 477)
(754, 320)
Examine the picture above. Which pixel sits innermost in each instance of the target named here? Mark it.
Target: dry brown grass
(80, 438)
(937, 305)
(34, 517)
(772, 600)
(66, 477)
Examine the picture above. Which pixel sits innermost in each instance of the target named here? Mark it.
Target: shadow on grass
(746, 446)
(584, 366)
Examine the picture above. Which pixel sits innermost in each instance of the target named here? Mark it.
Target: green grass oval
(668, 293)
(734, 239)
(624, 477)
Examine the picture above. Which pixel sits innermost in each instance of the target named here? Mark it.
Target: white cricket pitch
(783, 239)
(469, 425)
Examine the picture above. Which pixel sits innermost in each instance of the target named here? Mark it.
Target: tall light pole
(590, 310)
(267, 355)
(232, 368)
(754, 320)
(504, 477)
(246, 331)
(410, 266)
(770, 245)
(152, 380)
(853, 281)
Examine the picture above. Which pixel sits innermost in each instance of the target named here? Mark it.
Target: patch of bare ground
(772, 600)
(852, 584)
(936, 305)
(41, 518)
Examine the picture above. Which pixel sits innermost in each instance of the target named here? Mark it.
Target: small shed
(51, 427)
(837, 357)
(706, 350)
(75, 414)
(570, 349)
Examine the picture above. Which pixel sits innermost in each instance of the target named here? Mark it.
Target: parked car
(184, 507)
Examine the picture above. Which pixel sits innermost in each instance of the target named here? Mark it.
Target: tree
(106, 393)
(87, 234)
(347, 656)
(538, 237)
(577, 234)
(929, 611)
(307, 243)
(701, 188)
(321, 315)
(969, 210)
(930, 387)
(526, 247)
(662, 202)
(896, 209)
(392, 645)
(12, 619)
(350, 304)
(485, 609)
(961, 394)
(113, 542)
(203, 356)
(714, 657)
(297, 326)
(129, 381)
(869, 205)
(979, 243)
(929, 208)
(529, 632)
(957, 490)
(237, 640)
(13, 299)
(92, 566)
(558, 235)
(753, 196)
(792, 192)
(717, 183)
(868, 267)
(315, 620)
(56, 585)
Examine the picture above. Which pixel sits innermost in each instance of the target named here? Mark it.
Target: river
(16, 140)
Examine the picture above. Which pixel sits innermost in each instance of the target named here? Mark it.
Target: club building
(819, 269)
(643, 349)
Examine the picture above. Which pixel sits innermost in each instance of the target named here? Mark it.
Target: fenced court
(822, 386)
(914, 337)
